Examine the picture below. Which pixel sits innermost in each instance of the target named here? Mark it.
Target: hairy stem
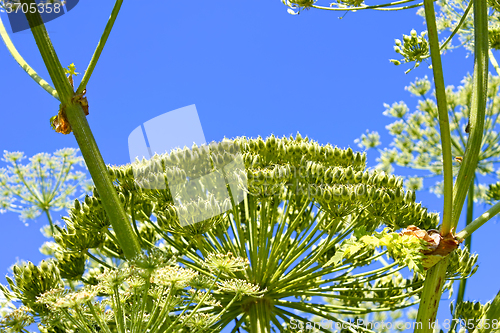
(430, 297)
(81, 129)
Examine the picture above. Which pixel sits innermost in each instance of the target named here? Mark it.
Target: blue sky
(250, 68)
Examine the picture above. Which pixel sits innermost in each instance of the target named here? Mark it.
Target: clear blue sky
(250, 68)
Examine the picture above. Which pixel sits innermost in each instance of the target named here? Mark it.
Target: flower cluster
(413, 48)
(282, 199)
(48, 182)
(152, 294)
(416, 141)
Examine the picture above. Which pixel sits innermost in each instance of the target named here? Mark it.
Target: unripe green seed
(349, 154)
(329, 152)
(386, 199)
(349, 173)
(366, 176)
(345, 193)
(358, 177)
(338, 175)
(327, 195)
(337, 193)
(360, 191)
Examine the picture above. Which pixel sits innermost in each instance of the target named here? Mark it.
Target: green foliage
(150, 293)
(300, 201)
(405, 249)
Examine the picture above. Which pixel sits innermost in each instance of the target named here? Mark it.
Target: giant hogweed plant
(303, 233)
(477, 34)
(310, 219)
(416, 142)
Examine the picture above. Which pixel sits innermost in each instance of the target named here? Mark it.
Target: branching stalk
(435, 277)
(81, 129)
(100, 47)
(468, 240)
(24, 65)
(477, 109)
(444, 123)
(474, 225)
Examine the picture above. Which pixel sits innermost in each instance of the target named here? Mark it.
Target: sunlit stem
(435, 277)
(474, 225)
(88, 146)
(100, 47)
(468, 240)
(24, 65)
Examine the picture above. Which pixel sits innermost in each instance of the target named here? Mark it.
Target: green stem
(87, 252)
(260, 316)
(444, 123)
(100, 47)
(474, 225)
(477, 109)
(435, 277)
(81, 129)
(49, 217)
(200, 303)
(431, 294)
(24, 65)
(468, 240)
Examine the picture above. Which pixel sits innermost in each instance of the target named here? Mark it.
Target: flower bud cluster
(17, 320)
(392, 286)
(201, 216)
(225, 263)
(462, 264)
(71, 265)
(416, 139)
(471, 313)
(334, 177)
(75, 238)
(413, 48)
(241, 288)
(295, 6)
(31, 281)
